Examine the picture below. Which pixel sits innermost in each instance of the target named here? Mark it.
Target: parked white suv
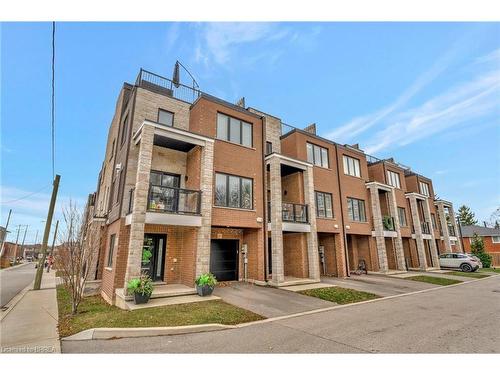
(464, 262)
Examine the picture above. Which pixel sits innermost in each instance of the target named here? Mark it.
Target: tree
(75, 255)
(466, 216)
(495, 218)
(477, 248)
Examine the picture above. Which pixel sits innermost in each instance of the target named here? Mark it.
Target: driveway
(381, 285)
(13, 280)
(267, 301)
(462, 318)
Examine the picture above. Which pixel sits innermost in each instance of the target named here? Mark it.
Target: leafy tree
(466, 216)
(477, 248)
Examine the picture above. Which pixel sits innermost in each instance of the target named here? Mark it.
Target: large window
(233, 191)
(233, 130)
(317, 155)
(402, 216)
(324, 206)
(165, 117)
(424, 189)
(351, 166)
(495, 239)
(393, 179)
(356, 209)
(111, 250)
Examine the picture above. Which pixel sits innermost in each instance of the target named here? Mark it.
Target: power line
(26, 196)
(53, 96)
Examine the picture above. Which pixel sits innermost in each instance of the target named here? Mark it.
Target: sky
(427, 94)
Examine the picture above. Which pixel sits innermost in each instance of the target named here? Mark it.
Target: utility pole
(17, 237)
(24, 237)
(54, 240)
(5, 237)
(48, 224)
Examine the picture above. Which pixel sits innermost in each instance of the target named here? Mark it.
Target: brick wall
(295, 255)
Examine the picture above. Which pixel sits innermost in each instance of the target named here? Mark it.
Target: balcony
(295, 217)
(174, 200)
(388, 223)
(426, 229)
(451, 231)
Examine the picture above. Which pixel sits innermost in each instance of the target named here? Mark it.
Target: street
(13, 280)
(460, 319)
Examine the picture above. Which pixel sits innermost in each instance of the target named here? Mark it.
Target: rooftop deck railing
(174, 200)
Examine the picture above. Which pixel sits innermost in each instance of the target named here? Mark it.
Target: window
(424, 189)
(356, 209)
(111, 250)
(402, 216)
(433, 219)
(112, 150)
(393, 179)
(351, 166)
(233, 130)
(165, 117)
(317, 155)
(324, 206)
(269, 148)
(233, 191)
(495, 239)
(124, 130)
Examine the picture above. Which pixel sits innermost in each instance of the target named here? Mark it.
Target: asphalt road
(458, 319)
(13, 280)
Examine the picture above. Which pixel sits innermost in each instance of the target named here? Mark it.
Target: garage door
(224, 259)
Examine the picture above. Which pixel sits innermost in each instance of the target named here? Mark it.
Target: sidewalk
(31, 326)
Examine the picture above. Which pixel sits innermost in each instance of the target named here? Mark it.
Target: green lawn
(338, 295)
(433, 280)
(496, 270)
(94, 312)
(474, 275)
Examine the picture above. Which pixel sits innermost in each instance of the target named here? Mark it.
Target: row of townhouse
(192, 184)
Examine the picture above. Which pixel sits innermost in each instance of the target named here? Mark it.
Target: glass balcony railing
(291, 212)
(426, 228)
(174, 200)
(388, 223)
(451, 231)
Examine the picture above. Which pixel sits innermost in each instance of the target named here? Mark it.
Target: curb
(112, 333)
(16, 266)
(14, 301)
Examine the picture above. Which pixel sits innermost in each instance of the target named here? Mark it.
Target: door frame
(153, 263)
(237, 241)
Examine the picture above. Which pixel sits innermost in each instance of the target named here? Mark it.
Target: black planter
(141, 298)
(204, 290)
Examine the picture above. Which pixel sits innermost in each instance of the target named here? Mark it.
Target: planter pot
(204, 290)
(141, 298)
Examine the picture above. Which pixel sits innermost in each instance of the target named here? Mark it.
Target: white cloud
(173, 34)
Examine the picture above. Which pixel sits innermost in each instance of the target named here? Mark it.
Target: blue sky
(427, 94)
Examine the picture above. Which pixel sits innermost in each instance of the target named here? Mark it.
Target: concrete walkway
(268, 302)
(31, 325)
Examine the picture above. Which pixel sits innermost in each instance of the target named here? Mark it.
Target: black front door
(153, 256)
(224, 259)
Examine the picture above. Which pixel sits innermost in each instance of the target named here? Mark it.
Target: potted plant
(142, 288)
(205, 284)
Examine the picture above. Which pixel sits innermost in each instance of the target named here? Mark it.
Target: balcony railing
(166, 86)
(426, 228)
(291, 212)
(174, 200)
(388, 223)
(451, 231)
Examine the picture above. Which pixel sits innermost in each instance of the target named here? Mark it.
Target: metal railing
(372, 159)
(285, 128)
(291, 212)
(131, 200)
(166, 86)
(451, 231)
(426, 228)
(174, 200)
(388, 223)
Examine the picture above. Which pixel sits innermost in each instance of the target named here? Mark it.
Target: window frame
(111, 250)
(124, 130)
(350, 204)
(403, 210)
(421, 184)
(493, 237)
(324, 194)
(346, 167)
(393, 177)
(240, 189)
(228, 129)
(321, 150)
(158, 117)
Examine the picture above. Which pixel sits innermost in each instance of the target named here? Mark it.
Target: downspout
(264, 196)
(346, 253)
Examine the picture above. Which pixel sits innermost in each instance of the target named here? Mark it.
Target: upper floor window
(165, 117)
(233, 130)
(351, 166)
(112, 150)
(433, 219)
(124, 130)
(111, 250)
(324, 206)
(495, 239)
(317, 155)
(269, 148)
(356, 209)
(233, 191)
(424, 189)
(393, 179)
(402, 216)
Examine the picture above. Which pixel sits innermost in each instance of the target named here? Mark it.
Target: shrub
(142, 285)
(206, 279)
(477, 248)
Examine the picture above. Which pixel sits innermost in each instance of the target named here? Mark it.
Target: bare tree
(76, 252)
